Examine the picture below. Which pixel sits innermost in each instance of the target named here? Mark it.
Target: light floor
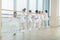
(42, 34)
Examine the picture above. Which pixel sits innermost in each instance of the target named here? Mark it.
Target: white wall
(54, 12)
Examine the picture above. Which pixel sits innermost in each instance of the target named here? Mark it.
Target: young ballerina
(23, 20)
(37, 19)
(33, 20)
(46, 17)
(40, 19)
(14, 24)
(30, 19)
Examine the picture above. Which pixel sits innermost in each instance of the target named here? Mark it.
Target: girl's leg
(39, 25)
(23, 25)
(36, 24)
(14, 34)
(47, 23)
(42, 24)
(30, 25)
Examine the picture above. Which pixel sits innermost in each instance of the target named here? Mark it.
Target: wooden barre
(11, 10)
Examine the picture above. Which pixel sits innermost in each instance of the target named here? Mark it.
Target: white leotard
(30, 17)
(42, 16)
(23, 17)
(37, 18)
(46, 16)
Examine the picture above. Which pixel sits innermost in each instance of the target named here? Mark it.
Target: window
(32, 5)
(59, 7)
(7, 8)
(40, 5)
(21, 4)
(7, 4)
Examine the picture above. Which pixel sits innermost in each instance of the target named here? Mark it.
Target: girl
(40, 19)
(46, 18)
(36, 19)
(23, 20)
(30, 19)
(14, 24)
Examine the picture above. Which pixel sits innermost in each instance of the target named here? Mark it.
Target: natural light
(59, 7)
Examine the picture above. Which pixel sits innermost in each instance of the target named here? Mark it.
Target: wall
(54, 12)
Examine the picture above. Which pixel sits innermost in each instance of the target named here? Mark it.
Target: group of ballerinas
(35, 20)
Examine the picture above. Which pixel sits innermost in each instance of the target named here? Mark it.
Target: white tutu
(46, 16)
(14, 25)
(29, 18)
(23, 17)
(42, 17)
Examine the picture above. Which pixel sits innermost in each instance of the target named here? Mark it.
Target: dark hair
(46, 11)
(39, 11)
(30, 11)
(24, 9)
(36, 11)
(15, 13)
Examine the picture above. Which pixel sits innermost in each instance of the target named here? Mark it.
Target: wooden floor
(42, 34)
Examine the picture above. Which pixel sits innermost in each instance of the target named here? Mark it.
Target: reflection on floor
(42, 34)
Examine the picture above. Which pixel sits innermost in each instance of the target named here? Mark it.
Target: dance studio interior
(29, 19)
